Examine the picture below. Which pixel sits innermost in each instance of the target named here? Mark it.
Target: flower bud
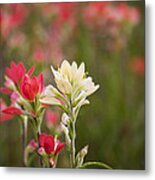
(84, 151)
(33, 145)
(81, 155)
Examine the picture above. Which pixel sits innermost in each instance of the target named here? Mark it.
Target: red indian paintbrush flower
(31, 87)
(49, 144)
(17, 71)
(14, 75)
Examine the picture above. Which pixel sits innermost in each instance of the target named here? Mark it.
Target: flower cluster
(47, 147)
(73, 88)
(24, 90)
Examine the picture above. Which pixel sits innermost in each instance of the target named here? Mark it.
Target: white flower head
(72, 84)
(69, 78)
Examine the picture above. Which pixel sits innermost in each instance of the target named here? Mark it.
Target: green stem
(36, 124)
(24, 137)
(73, 151)
(99, 164)
(38, 132)
(55, 161)
(30, 159)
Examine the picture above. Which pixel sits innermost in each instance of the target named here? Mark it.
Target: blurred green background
(109, 38)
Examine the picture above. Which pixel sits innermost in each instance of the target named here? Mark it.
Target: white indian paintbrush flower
(72, 83)
(73, 88)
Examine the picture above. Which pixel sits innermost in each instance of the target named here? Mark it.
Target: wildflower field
(72, 85)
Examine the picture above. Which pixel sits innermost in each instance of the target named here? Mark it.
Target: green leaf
(96, 164)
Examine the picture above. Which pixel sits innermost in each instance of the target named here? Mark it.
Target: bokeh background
(109, 38)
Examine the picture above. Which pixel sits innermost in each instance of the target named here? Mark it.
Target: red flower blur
(138, 66)
(31, 87)
(51, 118)
(101, 13)
(49, 144)
(13, 16)
(39, 55)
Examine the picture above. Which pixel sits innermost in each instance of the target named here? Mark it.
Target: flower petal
(49, 144)
(5, 90)
(12, 110)
(34, 85)
(41, 82)
(59, 146)
(50, 100)
(31, 70)
(42, 139)
(80, 72)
